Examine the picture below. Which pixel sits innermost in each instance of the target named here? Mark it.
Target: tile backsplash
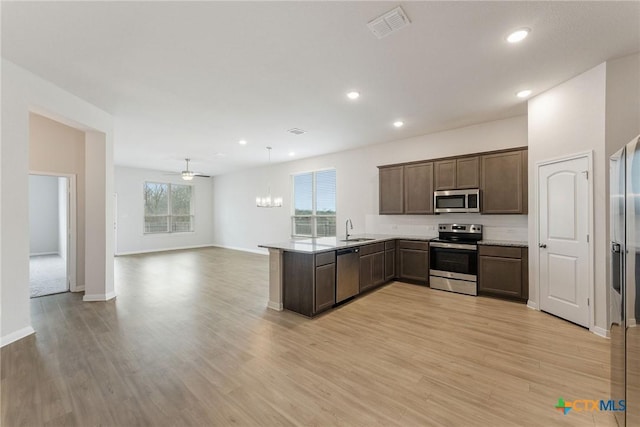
(496, 227)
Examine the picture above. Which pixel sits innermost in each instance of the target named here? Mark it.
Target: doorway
(565, 224)
(51, 234)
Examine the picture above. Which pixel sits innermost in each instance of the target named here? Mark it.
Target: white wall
(129, 184)
(238, 223)
(569, 119)
(24, 92)
(43, 215)
(623, 102)
(63, 218)
(56, 148)
(598, 110)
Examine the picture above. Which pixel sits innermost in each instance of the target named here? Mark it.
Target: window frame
(170, 215)
(314, 198)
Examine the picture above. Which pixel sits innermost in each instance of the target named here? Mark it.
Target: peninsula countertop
(326, 244)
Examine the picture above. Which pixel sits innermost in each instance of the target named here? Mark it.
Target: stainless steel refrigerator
(624, 283)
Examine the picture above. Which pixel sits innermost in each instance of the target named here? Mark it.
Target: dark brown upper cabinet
(445, 175)
(391, 194)
(458, 173)
(501, 176)
(468, 172)
(504, 183)
(418, 188)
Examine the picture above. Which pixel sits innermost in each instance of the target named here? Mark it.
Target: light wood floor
(188, 341)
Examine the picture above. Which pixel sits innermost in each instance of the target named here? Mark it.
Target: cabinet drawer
(391, 244)
(325, 258)
(370, 249)
(500, 251)
(412, 244)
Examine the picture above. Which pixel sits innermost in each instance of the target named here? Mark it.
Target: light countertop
(325, 244)
(520, 244)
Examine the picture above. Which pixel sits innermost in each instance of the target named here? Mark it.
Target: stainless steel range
(454, 258)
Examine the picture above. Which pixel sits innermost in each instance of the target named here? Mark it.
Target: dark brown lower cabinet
(390, 264)
(371, 270)
(325, 287)
(503, 271)
(413, 261)
(309, 282)
(390, 260)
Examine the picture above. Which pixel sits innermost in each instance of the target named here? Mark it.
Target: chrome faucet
(346, 227)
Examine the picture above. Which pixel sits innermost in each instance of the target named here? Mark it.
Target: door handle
(615, 248)
(542, 245)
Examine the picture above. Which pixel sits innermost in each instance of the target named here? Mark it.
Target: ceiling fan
(188, 174)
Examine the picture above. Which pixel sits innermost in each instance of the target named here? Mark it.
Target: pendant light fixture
(268, 201)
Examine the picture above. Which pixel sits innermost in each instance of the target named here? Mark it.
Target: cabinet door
(390, 264)
(500, 276)
(366, 277)
(418, 189)
(413, 264)
(297, 282)
(325, 287)
(391, 190)
(503, 183)
(445, 175)
(468, 172)
(377, 269)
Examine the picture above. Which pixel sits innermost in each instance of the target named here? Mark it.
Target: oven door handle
(453, 246)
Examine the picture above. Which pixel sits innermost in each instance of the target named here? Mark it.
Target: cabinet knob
(542, 245)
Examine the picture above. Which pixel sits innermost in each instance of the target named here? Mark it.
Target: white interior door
(563, 241)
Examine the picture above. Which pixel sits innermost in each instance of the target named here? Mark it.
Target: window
(168, 208)
(314, 204)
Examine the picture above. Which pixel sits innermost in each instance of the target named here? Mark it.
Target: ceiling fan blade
(201, 175)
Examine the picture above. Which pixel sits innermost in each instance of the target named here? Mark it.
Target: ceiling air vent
(297, 131)
(388, 23)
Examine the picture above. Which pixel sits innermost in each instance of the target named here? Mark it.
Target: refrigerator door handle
(615, 247)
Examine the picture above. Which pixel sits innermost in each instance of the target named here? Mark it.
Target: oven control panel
(460, 228)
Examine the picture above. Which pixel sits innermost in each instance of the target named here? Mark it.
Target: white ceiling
(191, 79)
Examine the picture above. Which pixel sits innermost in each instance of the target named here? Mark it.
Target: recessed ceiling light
(242, 142)
(291, 154)
(518, 35)
(523, 93)
(353, 95)
(398, 123)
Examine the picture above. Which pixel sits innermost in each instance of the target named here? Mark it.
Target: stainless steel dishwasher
(348, 275)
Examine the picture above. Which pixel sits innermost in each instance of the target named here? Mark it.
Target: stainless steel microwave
(449, 201)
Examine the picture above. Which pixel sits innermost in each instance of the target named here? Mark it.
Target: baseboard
(235, 248)
(44, 253)
(601, 332)
(78, 289)
(17, 335)
(275, 306)
(99, 297)
(631, 323)
(532, 305)
(149, 251)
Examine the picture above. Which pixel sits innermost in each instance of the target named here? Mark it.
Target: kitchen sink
(357, 239)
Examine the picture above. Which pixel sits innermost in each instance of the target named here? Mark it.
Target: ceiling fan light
(187, 176)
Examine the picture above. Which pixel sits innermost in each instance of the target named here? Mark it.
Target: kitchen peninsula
(309, 276)
(312, 275)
